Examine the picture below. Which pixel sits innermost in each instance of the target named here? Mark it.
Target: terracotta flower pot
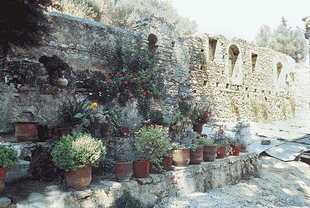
(26, 131)
(141, 168)
(197, 155)
(2, 178)
(236, 150)
(167, 162)
(123, 171)
(209, 153)
(221, 152)
(198, 128)
(79, 178)
(153, 170)
(181, 157)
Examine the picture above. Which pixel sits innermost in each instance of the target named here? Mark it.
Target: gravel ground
(281, 184)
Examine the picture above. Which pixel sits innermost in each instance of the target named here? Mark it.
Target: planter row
(181, 157)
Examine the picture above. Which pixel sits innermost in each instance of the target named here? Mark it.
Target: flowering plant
(137, 85)
(200, 114)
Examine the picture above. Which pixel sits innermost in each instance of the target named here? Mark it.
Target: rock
(266, 142)
(4, 202)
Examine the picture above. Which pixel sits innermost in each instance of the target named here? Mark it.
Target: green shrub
(77, 151)
(204, 141)
(154, 142)
(8, 157)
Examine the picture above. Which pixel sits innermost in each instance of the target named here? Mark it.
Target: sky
(242, 18)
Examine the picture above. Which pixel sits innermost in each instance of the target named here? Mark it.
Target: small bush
(157, 117)
(77, 151)
(8, 157)
(204, 141)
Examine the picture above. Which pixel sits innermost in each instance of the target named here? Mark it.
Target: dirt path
(280, 185)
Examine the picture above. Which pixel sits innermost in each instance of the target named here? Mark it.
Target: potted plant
(178, 122)
(242, 131)
(168, 160)
(182, 152)
(55, 67)
(111, 117)
(76, 155)
(75, 115)
(235, 147)
(199, 116)
(124, 166)
(156, 117)
(196, 154)
(26, 128)
(154, 142)
(8, 157)
(223, 147)
(209, 149)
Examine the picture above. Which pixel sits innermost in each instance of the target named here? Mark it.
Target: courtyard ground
(281, 184)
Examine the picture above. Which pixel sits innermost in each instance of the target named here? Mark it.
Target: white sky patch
(242, 18)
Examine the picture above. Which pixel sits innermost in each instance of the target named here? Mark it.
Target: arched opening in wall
(152, 40)
(233, 55)
(292, 75)
(279, 69)
(254, 58)
(212, 48)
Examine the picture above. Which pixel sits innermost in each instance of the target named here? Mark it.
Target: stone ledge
(194, 178)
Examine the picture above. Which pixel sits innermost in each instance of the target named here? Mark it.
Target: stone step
(18, 172)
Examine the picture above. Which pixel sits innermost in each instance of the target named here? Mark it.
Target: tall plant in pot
(26, 128)
(124, 166)
(209, 148)
(8, 157)
(76, 155)
(154, 142)
(242, 131)
(199, 116)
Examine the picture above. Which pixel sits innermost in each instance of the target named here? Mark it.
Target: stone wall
(194, 178)
(241, 81)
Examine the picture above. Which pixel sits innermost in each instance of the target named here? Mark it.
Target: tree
(124, 13)
(283, 39)
(263, 37)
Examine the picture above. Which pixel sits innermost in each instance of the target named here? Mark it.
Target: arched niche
(233, 56)
(152, 40)
(279, 69)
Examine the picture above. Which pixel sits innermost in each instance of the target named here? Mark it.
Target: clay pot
(198, 128)
(44, 132)
(181, 157)
(167, 162)
(62, 82)
(153, 170)
(209, 153)
(221, 152)
(236, 150)
(26, 131)
(141, 168)
(196, 155)
(123, 171)
(2, 178)
(79, 178)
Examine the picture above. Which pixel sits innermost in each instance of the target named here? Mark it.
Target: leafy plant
(178, 122)
(200, 114)
(125, 157)
(154, 142)
(76, 113)
(42, 166)
(127, 201)
(8, 157)
(204, 141)
(157, 117)
(77, 151)
(185, 108)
